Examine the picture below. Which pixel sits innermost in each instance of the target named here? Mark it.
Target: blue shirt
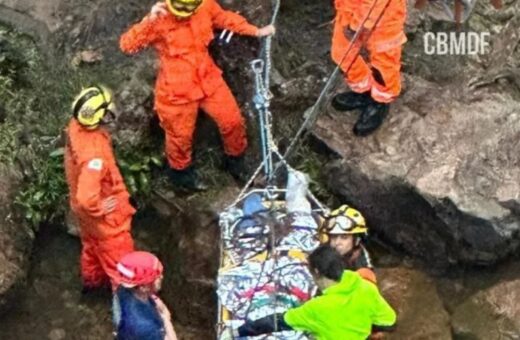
(135, 319)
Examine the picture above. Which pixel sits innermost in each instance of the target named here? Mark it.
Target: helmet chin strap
(108, 118)
(357, 242)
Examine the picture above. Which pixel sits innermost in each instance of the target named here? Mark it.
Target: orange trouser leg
(386, 67)
(111, 250)
(178, 122)
(355, 70)
(92, 273)
(99, 257)
(359, 77)
(222, 107)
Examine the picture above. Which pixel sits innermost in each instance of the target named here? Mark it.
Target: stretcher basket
(274, 203)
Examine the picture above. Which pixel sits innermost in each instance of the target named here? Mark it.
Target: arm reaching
(144, 33)
(167, 319)
(236, 23)
(384, 317)
(266, 31)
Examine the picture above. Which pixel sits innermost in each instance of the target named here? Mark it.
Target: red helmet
(139, 268)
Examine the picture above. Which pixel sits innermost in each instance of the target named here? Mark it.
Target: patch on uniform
(95, 164)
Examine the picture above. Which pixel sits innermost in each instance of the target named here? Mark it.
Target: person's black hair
(327, 262)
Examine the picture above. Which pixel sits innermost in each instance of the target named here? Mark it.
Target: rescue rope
(311, 117)
(262, 100)
(268, 145)
(268, 42)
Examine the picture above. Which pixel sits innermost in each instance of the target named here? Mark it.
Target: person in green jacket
(349, 308)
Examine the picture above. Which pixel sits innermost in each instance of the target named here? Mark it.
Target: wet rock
(71, 223)
(16, 239)
(439, 179)
(57, 334)
(135, 107)
(87, 57)
(420, 312)
(190, 279)
(42, 11)
(491, 314)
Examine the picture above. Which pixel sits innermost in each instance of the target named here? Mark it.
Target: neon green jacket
(345, 311)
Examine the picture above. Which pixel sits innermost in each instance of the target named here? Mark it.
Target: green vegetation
(35, 99)
(30, 126)
(138, 169)
(43, 198)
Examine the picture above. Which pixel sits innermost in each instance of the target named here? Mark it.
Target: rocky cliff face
(16, 239)
(439, 180)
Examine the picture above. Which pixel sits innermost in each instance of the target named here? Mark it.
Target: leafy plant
(8, 143)
(35, 98)
(137, 168)
(44, 199)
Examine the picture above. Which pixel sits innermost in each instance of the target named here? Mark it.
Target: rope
(262, 98)
(314, 113)
(262, 69)
(262, 102)
(268, 41)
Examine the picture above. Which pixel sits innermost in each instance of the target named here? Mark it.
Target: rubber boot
(236, 168)
(347, 101)
(371, 118)
(187, 179)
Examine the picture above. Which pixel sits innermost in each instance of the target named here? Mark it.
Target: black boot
(371, 118)
(187, 179)
(236, 168)
(347, 101)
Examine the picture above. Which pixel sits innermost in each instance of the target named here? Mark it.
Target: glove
(350, 33)
(360, 41)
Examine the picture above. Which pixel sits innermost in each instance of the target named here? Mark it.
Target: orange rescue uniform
(381, 73)
(189, 79)
(93, 176)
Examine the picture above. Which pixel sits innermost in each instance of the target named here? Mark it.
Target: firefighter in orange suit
(188, 80)
(374, 77)
(98, 195)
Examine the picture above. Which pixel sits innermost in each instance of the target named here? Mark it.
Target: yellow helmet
(92, 104)
(183, 8)
(345, 220)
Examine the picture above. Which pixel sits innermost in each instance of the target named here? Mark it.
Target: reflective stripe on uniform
(361, 86)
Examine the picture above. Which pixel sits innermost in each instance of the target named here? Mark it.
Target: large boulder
(440, 177)
(491, 314)
(16, 239)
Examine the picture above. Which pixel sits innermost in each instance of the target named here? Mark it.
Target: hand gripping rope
(262, 98)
